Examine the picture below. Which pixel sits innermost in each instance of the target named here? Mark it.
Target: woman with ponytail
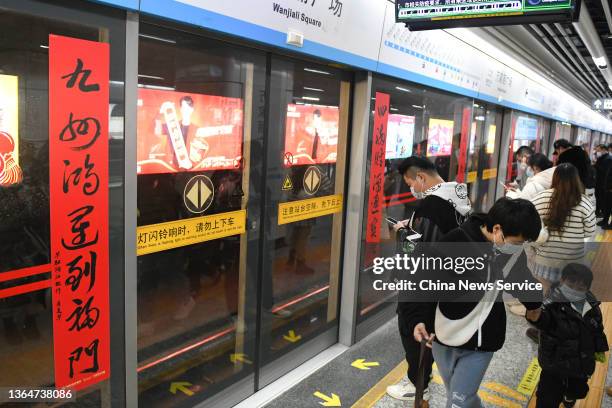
(569, 218)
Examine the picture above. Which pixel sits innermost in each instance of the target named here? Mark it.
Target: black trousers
(413, 351)
(552, 388)
(607, 207)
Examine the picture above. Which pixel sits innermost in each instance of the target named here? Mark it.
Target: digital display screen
(439, 137)
(435, 14)
(179, 131)
(526, 128)
(311, 134)
(400, 136)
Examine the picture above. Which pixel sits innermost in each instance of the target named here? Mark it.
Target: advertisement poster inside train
(440, 137)
(311, 134)
(10, 171)
(400, 136)
(179, 131)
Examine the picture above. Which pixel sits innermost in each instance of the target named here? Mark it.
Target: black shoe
(533, 334)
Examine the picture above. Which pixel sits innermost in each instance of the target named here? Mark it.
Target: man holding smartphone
(442, 207)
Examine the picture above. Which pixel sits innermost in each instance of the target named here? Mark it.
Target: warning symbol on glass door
(312, 180)
(287, 184)
(199, 194)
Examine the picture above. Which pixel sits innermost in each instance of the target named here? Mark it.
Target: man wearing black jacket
(442, 207)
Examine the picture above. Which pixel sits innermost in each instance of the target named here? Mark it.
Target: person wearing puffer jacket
(540, 172)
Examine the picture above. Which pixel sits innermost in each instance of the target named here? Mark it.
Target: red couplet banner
(377, 167)
(78, 178)
(463, 144)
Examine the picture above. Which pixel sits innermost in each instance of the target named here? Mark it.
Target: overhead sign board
(435, 14)
(602, 104)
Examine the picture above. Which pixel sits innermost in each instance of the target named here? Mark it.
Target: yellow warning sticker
(489, 173)
(471, 177)
(174, 234)
(287, 184)
(304, 209)
(530, 379)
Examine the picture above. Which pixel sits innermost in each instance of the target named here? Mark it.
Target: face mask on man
(529, 172)
(572, 295)
(416, 194)
(506, 247)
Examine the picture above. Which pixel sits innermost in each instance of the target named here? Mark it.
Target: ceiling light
(313, 89)
(157, 87)
(149, 76)
(152, 37)
(600, 62)
(479, 118)
(476, 105)
(310, 98)
(394, 109)
(44, 46)
(316, 71)
(399, 88)
(417, 106)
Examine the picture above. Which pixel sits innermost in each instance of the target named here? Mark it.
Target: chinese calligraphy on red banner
(377, 167)
(78, 178)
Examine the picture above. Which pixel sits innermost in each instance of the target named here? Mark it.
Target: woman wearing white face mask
(539, 173)
(569, 218)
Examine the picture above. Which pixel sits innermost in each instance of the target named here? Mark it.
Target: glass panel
(526, 131)
(200, 121)
(421, 122)
(26, 341)
(483, 155)
(306, 147)
(583, 136)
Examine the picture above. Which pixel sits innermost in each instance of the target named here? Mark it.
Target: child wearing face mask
(571, 338)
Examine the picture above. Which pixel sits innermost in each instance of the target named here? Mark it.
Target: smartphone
(392, 221)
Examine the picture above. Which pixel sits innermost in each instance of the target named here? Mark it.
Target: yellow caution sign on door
(175, 234)
(311, 208)
(489, 173)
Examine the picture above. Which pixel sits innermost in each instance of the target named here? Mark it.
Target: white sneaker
(405, 392)
(185, 309)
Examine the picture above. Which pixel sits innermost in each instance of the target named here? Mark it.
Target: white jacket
(535, 185)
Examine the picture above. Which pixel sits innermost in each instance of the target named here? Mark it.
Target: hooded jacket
(569, 339)
(444, 207)
(491, 334)
(536, 184)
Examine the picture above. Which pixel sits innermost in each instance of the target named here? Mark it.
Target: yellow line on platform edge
(380, 388)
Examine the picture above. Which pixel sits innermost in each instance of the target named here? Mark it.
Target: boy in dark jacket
(571, 338)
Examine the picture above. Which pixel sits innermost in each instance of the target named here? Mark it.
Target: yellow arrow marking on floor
(499, 401)
(240, 357)
(531, 378)
(292, 337)
(333, 401)
(507, 391)
(364, 365)
(437, 379)
(182, 386)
